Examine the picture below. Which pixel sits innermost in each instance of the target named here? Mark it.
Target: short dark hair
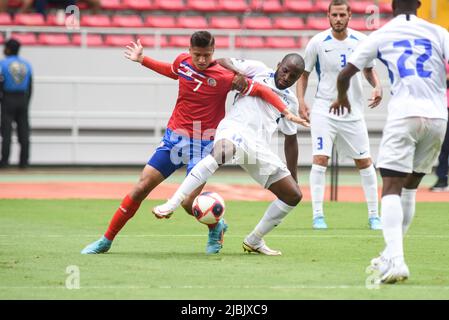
(202, 39)
(13, 46)
(339, 3)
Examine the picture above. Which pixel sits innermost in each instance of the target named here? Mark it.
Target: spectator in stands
(41, 6)
(15, 92)
(443, 158)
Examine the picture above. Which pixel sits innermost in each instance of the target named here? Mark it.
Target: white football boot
(164, 211)
(260, 247)
(396, 271)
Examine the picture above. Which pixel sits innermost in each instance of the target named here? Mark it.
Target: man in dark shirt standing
(15, 93)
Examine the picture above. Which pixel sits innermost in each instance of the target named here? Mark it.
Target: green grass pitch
(154, 259)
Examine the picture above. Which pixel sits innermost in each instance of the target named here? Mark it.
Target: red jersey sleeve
(160, 67)
(177, 61)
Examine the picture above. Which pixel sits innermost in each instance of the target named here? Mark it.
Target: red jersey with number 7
(201, 96)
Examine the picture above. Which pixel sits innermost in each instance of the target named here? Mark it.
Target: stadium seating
(222, 42)
(160, 22)
(179, 41)
(169, 5)
(130, 21)
(150, 41)
(92, 40)
(268, 6)
(189, 22)
(257, 23)
(5, 19)
(138, 5)
(118, 40)
(224, 22)
(281, 42)
(317, 23)
(233, 6)
(59, 39)
(99, 20)
(202, 5)
(112, 5)
(250, 42)
(288, 23)
(29, 19)
(300, 6)
(27, 39)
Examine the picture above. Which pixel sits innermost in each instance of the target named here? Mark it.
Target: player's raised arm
(343, 82)
(374, 81)
(134, 52)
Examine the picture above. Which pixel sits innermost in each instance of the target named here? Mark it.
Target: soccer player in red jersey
(203, 87)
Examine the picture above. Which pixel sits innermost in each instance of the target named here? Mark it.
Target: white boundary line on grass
(297, 287)
(418, 236)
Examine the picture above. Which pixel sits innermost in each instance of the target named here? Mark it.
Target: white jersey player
(245, 134)
(328, 53)
(415, 52)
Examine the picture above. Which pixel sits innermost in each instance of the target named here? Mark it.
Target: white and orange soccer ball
(208, 207)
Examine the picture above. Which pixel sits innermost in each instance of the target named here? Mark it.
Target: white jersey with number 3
(329, 56)
(414, 52)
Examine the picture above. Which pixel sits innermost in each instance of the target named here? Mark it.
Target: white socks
(272, 217)
(196, 177)
(408, 199)
(369, 184)
(317, 184)
(392, 218)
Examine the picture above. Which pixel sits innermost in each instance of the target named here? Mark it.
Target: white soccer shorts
(350, 137)
(253, 154)
(411, 144)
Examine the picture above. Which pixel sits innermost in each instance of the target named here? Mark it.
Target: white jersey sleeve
(446, 46)
(364, 55)
(250, 68)
(310, 56)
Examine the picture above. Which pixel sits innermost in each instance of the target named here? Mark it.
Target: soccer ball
(208, 207)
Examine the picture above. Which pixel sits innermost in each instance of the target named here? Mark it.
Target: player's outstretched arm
(343, 82)
(259, 90)
(134, 52)
(374, 81)
(301, 87)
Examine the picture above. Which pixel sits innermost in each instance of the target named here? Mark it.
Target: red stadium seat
(2, 38)
(360, 6)
(281, 42)
(26, 39)
(269, 6)
(257, 23)
(112, 5)
(129, 21)
(317, 23)
(222, 42)
(98, 20)
(160, 22)
(150, 41)
(14, 3)
(170, 5)
(118, 40)
(140, 5)
(358, 24)
(202, 5)
(322, 5)
(227, 22)
(303, 6)
(29, 19)
(58, 39)
(385, 7)
(288, 23)
(250, 42)
(92, 40)
(5, 19)
(53, 20)
(197, 22)
(233, 5)
(179, 41)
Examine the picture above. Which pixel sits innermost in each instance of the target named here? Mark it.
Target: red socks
(125, 212)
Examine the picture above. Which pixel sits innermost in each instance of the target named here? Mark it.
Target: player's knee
(321, 160)
(224, 151)
(363, 163)
(293, 197)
